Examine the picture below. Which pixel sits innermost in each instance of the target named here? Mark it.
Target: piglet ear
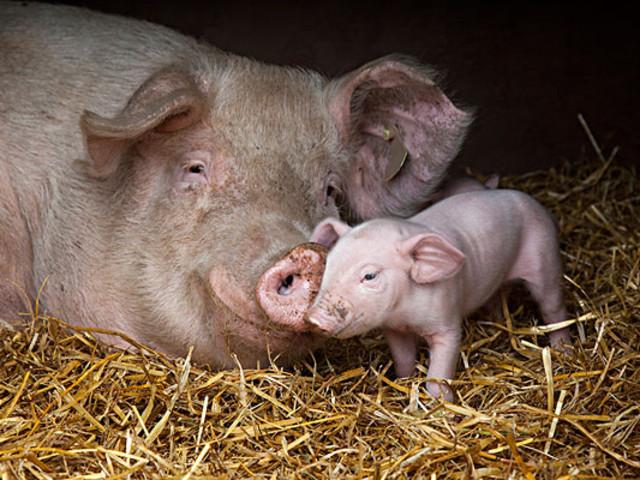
(328, 231)
(433, 258)
(166, 102)
(403, 132)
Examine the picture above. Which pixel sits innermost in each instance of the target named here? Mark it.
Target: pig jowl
(166, 189)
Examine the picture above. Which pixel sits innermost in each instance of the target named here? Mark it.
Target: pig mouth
(342, 333)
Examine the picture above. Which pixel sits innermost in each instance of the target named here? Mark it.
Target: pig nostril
(287, 288)
(285, 285)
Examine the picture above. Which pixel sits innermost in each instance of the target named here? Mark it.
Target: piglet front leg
(403, 350)
(444, 350)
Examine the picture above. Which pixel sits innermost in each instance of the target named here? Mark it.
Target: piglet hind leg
(541, 270)
(444, 351)
(548, 294)
(403, 350)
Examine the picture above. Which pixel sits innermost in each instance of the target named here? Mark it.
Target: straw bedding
(70, 408)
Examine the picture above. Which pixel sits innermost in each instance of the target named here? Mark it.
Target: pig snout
(287, 289)
(330, 316)
(319, 321)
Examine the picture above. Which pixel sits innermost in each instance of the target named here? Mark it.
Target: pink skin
(286, 290)
(418, 278)
(167, 190)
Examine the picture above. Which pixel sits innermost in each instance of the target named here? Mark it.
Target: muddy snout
(329, 315)
(316, 321)
(287, 289)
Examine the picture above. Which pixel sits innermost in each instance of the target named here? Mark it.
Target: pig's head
(363, 280)
(215, 174)
(372, 273)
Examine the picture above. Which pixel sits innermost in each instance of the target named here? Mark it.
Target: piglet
(418, 278)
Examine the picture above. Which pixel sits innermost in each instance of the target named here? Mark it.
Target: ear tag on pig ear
(397, 153)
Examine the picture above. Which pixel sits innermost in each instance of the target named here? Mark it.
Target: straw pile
(70, 408)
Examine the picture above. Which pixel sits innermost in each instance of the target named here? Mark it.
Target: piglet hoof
(440, 390)
(560, 340)
(7, 326)
(396, 373)
(391, 375)
(404, 371)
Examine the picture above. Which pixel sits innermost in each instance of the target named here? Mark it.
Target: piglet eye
(370, 276)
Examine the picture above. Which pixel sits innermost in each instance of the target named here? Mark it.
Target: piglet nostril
(285, 287)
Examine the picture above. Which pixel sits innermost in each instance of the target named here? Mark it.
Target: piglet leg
(403, 351)
(444, 350)
(540, 266)
(548, 293)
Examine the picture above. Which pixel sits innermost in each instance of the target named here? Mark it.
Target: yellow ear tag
(397, 153)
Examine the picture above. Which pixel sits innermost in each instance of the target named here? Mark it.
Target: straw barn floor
(72, 409)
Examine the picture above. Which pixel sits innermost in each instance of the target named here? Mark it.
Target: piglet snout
(287, 289)
(331, 315)
(316, 321)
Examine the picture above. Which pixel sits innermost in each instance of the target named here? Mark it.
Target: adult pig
(420, 277)
(157, 186)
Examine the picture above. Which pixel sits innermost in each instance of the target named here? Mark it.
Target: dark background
(528, 69)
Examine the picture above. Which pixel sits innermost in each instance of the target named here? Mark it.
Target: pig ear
(167, 102)
(403, 132)
(433, 258)
(328, 231)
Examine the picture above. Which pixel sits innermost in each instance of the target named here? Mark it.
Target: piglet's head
(330, 312)
(402, 131)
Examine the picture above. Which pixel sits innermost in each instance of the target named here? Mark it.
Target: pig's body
(56, 224)
(434, 269)
(160, 187)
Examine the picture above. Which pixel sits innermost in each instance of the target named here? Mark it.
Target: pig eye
(370, 279)
(192, 175)
(369, 276)
(196, 168)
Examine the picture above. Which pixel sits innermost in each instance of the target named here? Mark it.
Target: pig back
(489, 228)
